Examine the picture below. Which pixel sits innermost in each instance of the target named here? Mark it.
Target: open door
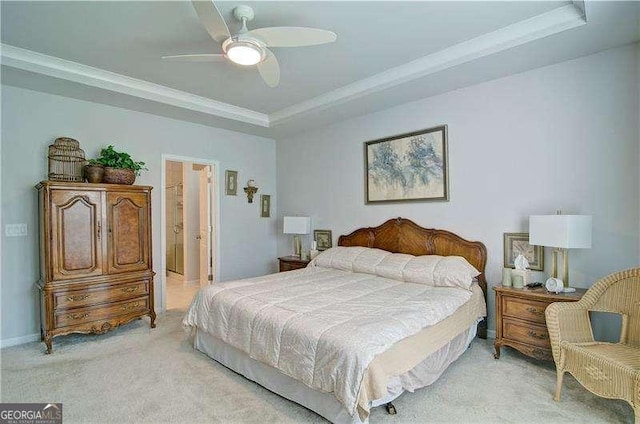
(206, 227)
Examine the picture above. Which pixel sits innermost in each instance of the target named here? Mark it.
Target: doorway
(189, 228)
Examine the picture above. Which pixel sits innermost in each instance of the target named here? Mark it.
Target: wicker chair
(610, 370)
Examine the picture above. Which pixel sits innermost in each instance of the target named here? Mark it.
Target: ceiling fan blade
(270, 69)
(293, 36)
(195, 58)
(212, 20)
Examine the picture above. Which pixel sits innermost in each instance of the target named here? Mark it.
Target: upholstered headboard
(404, 236)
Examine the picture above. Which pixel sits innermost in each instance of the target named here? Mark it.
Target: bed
(385, 312)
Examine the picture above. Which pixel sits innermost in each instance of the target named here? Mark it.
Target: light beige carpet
(139, 375)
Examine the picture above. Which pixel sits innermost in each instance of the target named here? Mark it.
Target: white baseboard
(175, 275)
(19, 340)
(491, 334)
(192, 283)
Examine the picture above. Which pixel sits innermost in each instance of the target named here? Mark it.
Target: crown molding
(59, 68)
(535, 28)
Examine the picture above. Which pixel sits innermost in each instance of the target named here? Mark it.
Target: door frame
(215, 197)
(206, 181)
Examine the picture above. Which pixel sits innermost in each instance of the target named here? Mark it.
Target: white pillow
(432, 270)
(339, 257)
(368, 260)
(420, 269)
(392, 266)
(440, 271)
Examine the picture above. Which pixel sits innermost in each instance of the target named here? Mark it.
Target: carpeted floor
(139, 375)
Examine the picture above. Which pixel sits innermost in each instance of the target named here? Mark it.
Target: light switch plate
(15, 230)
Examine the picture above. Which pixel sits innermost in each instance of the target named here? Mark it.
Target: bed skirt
(325, 404)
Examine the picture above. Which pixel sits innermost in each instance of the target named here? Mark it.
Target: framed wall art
(518, 243)
(323, 239)
(231, 183)
(407, 167)
(265, 205)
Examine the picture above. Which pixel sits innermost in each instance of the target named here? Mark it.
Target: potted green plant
(119, 167)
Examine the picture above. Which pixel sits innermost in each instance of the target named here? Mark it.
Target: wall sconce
(251, 189)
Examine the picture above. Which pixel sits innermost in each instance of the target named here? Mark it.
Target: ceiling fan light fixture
(244, 53)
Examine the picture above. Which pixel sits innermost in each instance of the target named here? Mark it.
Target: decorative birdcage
(66, 160)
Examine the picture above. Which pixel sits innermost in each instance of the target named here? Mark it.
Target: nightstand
(520, 320)
(289, 263)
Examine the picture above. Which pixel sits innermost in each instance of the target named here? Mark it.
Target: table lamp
(562, 232)
(297, 225)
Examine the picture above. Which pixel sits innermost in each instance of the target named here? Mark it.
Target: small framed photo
(265, 205)
(231, 183)
(518, 244)
(323, 239)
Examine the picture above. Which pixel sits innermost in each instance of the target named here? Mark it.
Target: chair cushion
(624, 357)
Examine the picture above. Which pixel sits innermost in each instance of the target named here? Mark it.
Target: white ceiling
(387, 53)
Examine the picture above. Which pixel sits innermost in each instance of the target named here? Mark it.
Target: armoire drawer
(84, 315)
(93, 296)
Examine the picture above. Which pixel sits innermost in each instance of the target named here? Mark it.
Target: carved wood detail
(76, 219)
(97, 272)
(127, 231)
(402, 235)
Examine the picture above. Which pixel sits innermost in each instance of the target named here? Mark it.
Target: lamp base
(297, 246)
(565, 265)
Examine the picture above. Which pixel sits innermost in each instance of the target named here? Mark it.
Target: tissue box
(519, 272)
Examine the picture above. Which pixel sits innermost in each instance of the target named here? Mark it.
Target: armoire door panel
(128, 231)
(75, 239)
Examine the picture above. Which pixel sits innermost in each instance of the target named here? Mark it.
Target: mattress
(339, 332)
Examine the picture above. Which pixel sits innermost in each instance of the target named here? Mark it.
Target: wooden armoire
(96, 271)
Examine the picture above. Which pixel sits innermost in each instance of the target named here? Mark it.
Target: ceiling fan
(251, 47)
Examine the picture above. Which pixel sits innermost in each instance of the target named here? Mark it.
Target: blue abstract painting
(407, 167)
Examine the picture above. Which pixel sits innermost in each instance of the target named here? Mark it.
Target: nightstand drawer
(526, 333)
(526, 309)
(290, 266)
(289, 263)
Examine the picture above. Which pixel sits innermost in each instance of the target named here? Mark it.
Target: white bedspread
(318, 325)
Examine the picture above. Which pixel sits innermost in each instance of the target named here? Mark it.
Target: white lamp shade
(565, 231)
(297, 225)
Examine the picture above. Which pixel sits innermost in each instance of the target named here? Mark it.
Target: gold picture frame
(231, 183)
(518, 243)
(265, 205)
(323, 239)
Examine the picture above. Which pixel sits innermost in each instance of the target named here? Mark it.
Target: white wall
(560, 137)
(32, 120)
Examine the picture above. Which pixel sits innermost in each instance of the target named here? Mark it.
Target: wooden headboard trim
(402, 235)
